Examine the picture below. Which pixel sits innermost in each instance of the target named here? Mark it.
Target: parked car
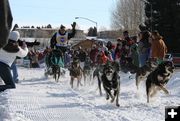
(176, 59)
(169, 57)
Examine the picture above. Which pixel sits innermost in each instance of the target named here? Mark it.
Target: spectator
(127, 38)
(101, 58)
(93, 53)
(35, 60)
(144, 47)
(158, 48)
(81, 56)
(14, 72)
(102, 47)
(109, 55)
(68, 58)
(118, 52)
(109, 45)
(112, 50)
(7, 56)
(134, 51)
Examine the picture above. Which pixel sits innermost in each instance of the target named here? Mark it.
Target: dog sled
(54, 63)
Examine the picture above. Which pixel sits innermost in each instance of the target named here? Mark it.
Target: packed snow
(38, 98)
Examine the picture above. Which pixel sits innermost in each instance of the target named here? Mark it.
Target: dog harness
(164, 79)
(110, 84)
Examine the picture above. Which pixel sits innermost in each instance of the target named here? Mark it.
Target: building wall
(44, 35)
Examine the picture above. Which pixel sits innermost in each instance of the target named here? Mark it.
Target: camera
(29, 44)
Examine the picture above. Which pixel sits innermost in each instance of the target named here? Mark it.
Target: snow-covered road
(37, 98)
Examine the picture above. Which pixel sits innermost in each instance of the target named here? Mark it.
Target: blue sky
(57, 12)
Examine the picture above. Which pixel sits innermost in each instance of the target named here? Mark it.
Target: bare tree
(128, 14)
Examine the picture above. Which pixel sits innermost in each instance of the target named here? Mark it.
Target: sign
(172, 113)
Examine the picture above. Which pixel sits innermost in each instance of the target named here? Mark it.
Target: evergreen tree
(95, 31)
(92, 31)
(164, 16)
(49, 26)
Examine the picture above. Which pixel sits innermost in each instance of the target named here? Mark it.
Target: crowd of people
(139, 48)
(145, 45)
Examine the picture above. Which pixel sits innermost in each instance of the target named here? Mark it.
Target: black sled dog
(111, 82)
(158, 79)
(144, 71)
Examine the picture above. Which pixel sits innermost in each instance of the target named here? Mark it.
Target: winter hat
(113, 46)
(62, 27)
(14, 35)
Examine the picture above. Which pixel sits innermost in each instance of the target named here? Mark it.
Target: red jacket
(102, 58)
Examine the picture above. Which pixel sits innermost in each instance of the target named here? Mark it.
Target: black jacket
(53, 39)
(5, 22)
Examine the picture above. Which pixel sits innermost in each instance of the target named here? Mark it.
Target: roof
(85, 44)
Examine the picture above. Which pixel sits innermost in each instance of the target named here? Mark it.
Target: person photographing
(7, 56)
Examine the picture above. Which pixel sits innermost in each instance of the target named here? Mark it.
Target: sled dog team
(155, 76)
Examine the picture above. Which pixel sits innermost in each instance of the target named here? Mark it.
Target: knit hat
(14, 35)
(62, 27)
